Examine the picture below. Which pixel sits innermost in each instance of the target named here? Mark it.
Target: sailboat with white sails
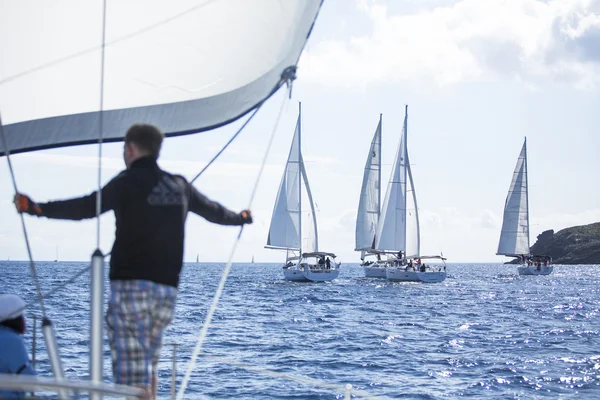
(304, 261)
(514, 237)
(394, 232)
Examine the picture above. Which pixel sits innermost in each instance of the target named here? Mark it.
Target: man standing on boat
(150, 207)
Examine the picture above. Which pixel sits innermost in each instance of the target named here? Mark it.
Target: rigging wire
(31, 263)
(100, 127)
(217, 296)
(228, 143)
(61, 286)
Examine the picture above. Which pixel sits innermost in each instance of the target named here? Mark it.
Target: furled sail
(413, 231)
(184, 66)
(370, 196)
(514, 238)
(311, 243)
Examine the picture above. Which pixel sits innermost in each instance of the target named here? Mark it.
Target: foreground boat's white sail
(304, 262)
(398, 231)
(514, 237)
(186, 67)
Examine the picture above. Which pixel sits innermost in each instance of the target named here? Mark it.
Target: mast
(404, 173)
(300, 165)
(527, 195)
(379, 177)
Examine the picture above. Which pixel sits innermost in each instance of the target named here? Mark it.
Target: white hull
(402, 275)
(535, 270)
(375, 271)
(310, 274)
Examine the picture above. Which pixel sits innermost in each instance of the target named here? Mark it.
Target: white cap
(11, 306)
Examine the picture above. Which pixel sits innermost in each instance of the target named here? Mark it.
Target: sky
(478, 77)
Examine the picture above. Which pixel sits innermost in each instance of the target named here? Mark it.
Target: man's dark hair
(146, 137)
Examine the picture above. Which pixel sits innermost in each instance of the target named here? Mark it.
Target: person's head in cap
(11, 312)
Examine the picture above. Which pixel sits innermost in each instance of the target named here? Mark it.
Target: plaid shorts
(138, 313)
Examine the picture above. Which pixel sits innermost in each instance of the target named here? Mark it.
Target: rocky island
(574, 245)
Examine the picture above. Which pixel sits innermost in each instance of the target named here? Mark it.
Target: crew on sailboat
(13, 354)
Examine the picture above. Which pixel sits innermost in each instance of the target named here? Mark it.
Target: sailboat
(185, 96)
(252, 259)
(369, 210)
(514, 237)
(56, 259)
(398, 233)
(197, 258)
(304, 262)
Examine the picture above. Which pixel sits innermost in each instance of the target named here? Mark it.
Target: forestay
(186, 66)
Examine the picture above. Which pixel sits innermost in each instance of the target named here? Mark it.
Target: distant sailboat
(285, 232)
(197, 258)
(56, 259)
(252, 258)
(398, 231)
(514, 237)
(369, 209)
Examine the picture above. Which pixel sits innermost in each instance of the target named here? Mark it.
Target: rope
(287, 76)
(31, 263)
(229, 142)
(219, 290)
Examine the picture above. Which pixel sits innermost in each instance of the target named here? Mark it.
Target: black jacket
(150, 208)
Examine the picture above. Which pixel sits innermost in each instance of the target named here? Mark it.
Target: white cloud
(468, 41)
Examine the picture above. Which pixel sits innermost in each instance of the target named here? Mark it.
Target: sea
(483, 333)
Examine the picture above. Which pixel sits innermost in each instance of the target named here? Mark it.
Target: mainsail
(370, 196)
(183, 66)
(514, 238)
